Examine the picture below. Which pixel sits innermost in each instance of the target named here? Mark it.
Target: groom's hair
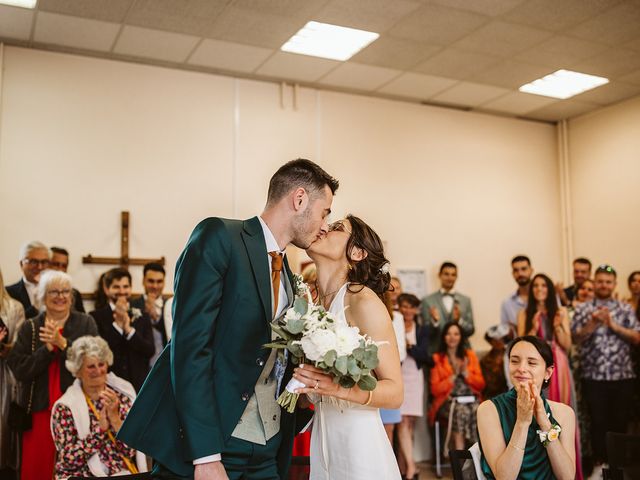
(299, 173)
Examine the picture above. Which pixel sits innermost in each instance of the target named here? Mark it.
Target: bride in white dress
(348, 440)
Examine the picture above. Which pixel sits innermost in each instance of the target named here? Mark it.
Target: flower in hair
(384, 268)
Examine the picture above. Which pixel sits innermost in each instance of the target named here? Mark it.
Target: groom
(208, 408)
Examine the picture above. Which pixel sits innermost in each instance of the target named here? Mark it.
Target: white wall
(605, 180)
(82, 139)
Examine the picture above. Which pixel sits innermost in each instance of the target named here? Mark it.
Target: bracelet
(552, 435)
(515, 446)
(369, 399)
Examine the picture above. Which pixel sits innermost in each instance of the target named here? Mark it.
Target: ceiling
(468, 54)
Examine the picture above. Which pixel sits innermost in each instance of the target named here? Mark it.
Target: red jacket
(442, 384)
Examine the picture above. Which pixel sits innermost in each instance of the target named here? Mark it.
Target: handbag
(20, 418)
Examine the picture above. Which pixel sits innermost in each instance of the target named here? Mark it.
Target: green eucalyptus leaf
(300, 305)
(341, 365)
(330, 358)
(346, 382)
(367, 382)
(295, 325)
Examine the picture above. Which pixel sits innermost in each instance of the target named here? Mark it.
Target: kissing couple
(208, 410)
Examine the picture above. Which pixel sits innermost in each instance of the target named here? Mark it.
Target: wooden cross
(123, 260)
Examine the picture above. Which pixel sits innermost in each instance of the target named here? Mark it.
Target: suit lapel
(254, 242)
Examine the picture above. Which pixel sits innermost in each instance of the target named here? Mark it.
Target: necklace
(324, 296)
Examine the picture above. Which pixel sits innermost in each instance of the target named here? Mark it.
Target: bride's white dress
(348, 440)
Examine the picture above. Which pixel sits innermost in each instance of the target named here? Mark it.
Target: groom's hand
(210, 471)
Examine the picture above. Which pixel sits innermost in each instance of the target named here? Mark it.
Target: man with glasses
(606, 329)
(34, 258)
(60, 261)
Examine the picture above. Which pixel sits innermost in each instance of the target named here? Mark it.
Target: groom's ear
(300, 199)
(358, 254)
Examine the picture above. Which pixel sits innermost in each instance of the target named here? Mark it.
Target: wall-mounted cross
(123, 260)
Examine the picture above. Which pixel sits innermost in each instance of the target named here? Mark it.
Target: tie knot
(276, 261)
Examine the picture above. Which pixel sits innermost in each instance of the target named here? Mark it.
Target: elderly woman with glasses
(86, 419)
(37, 362)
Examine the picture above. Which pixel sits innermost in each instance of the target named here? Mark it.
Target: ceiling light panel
(563, 84)
(328, 41)
(20, 3)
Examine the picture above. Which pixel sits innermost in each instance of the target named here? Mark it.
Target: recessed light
(328, 41)
(563, 84)
(20, 3)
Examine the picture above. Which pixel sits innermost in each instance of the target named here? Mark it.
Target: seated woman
(86, 419)
(537, 440)
(456, 373)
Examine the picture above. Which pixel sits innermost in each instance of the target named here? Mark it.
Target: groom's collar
(269, 239)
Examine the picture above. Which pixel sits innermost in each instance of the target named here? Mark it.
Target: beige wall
(82, 139)
(605, 187)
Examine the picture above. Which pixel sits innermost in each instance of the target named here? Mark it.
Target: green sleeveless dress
(535, 462)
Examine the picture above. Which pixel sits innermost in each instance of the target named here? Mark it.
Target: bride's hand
(317, 381)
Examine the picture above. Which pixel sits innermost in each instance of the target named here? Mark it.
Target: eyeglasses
(606, 269)
(59, 264)
(62, 293)
(34, 262)
(339, 227)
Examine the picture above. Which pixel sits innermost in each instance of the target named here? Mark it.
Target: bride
(348, 439)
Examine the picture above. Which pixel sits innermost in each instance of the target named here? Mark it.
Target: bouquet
(312, 335)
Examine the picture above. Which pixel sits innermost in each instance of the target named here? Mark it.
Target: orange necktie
(276, 268)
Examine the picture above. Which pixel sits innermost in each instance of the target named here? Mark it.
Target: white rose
(317, 344)
(347, 339)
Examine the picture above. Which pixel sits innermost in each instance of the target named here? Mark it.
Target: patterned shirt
(604, 355)
(74, 452)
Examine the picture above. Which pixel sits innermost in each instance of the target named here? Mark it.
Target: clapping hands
(110, 411)
(121, 314)
(530, 404)
(50, 335)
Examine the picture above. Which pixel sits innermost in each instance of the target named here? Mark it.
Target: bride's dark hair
(370, 271)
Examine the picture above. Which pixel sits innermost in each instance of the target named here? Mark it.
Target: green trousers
(241, 459)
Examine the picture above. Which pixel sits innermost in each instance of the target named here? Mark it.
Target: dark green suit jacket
(198, 389)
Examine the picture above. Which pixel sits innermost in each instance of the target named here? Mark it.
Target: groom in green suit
(208, 408)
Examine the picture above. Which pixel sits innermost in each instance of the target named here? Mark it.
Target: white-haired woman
(11, 317)
(37, 361)
(86, 419)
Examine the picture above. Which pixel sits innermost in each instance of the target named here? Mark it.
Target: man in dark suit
(34, 258)
(152, 304)
(447, 305)
(60, 262)
(127, 330)
(208, 409)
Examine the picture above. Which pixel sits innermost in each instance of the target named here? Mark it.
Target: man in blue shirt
(511, 306)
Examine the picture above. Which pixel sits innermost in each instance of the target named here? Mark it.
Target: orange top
(441, 380)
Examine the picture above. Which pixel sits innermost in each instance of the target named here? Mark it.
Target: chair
(462, 465)
(624, 456)
(456, 400)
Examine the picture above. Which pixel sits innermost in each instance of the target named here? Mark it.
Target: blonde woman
(11, 318)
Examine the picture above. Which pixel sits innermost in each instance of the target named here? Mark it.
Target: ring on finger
(315, 387)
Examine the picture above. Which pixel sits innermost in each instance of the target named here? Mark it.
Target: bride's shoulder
(359, 296)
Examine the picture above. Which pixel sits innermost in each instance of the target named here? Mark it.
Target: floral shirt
(605, 355)
(74, 452)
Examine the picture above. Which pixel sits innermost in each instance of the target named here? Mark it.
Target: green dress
(535, 462)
